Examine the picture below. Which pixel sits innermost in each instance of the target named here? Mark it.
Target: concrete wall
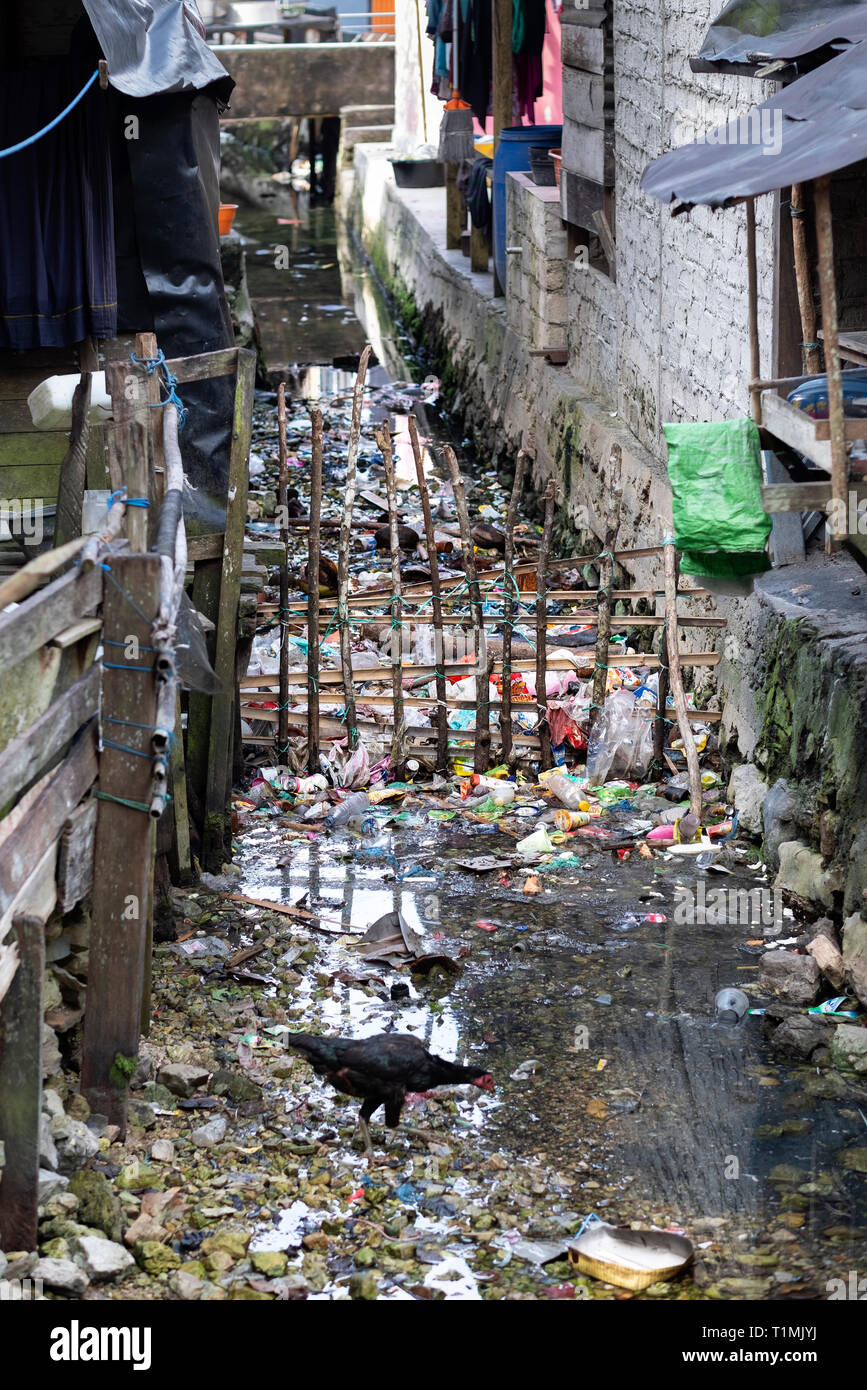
(417, 112)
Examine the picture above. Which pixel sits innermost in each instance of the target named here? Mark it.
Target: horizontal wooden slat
(45, 614)
(33, 836)
(23, 760)
(204, 365)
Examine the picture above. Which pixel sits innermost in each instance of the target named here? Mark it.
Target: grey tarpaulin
(750, 31)
(812, 127)
(166, 200)
(154, 47)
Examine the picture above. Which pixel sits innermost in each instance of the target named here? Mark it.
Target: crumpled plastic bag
(622, 741)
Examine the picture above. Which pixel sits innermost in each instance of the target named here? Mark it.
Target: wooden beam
(26, 757)
(123, 886)
(21, 1088)
(835, 525)
(34, 834)
(57, 606)
(222, 706)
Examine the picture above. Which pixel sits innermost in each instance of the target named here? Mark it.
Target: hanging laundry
(57, 268)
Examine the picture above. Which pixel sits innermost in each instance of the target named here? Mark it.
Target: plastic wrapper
(622, 741)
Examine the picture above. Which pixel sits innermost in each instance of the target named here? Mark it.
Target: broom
(456, 130)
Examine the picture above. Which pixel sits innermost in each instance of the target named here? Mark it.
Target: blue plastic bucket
(513, 156)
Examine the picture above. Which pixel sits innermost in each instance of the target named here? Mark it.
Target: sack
(716, 475)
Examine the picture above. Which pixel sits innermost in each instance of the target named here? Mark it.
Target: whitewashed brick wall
(670, 339)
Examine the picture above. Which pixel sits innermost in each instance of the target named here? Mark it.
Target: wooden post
(181, 849)
(521, 465)
(603, 610)
(677, 680)
(21, 1087)
(661, 700)
(221, 732)
(502, 81)
(343, 551)
(835, 519)
(483, 734)
(313, 594)
(542, 730)
(753, 311)
(283, 485)
(479, 249)
(442, 719)
(810, 352)
(146, 347)
(123, 882)
(455, 215)
(396, 760)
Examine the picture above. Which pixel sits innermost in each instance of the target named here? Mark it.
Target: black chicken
(381, 1070)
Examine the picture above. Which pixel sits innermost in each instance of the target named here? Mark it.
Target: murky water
(655, 1111)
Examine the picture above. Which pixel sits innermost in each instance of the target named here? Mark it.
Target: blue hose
(31, 139)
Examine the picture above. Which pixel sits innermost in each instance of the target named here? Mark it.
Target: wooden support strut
(603, 610)
(124, 842)
(676, 678)
(481, 756)
(282, 502)
(521, 466)
(442, 724)
(21, 1087)
(811, 353)
(753, 310)
(313, 594)
(546, 758)
(835, 523)
(343, 548)
(396, 760)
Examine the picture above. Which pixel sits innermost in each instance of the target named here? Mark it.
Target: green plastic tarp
(715, 469)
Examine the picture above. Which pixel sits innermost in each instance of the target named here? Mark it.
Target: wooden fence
(93, 749)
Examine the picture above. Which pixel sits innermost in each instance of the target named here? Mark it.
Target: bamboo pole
(677, 681)
(282, 490)
(835, 519)
(313, 595)
(480, 758)
(396, 759)
(521, 466)
(661, 699)
(753, 310)
(502, 82)
(343, 550)
(545, 759)
(603, 607)
(442, 721)
(810, 354)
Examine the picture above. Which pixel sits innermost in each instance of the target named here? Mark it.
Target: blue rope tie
(31, 139)
(150, 365)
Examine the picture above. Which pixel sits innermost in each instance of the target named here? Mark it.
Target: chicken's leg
(365, 1134)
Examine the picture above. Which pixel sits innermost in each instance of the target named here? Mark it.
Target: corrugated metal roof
(751, 31)
(153, 47)
(812, 127)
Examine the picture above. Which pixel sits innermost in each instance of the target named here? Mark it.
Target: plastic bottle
(573, 797)
(731, 1005)
(571, 820)
(354, 808)
(302, 786)
(51, 402)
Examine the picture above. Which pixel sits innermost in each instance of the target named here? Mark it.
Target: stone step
(367, 115)
(367, 134)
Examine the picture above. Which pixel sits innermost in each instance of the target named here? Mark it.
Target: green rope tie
(122, 801)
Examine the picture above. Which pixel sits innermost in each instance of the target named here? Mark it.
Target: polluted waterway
(582, 976)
